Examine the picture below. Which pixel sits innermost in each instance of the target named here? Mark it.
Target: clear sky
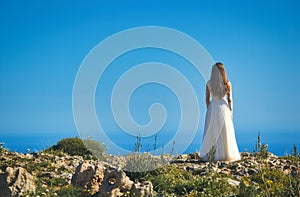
(42, 44)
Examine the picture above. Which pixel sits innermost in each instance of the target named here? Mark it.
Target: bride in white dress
(219, 130)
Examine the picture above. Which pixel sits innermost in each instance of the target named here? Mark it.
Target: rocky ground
(22, 174)
(247, 166)
(25, 174)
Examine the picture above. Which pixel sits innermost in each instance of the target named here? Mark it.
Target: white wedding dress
(219, 129)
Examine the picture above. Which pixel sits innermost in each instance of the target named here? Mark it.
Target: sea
(279, 142)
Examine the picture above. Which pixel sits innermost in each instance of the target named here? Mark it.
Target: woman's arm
(230, 101)
(207, 96)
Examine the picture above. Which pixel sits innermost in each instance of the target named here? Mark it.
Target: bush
(71, 146)
(71, 191)
(76, 146)
(65, 191)
(97, 149)
(172, 181)
(272, 182)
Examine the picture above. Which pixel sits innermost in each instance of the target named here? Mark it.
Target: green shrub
(65, 191)
(268, 183)
(71, 146)
(77, 146)
(272, 182)
(173, 181)
(248, 188)
(71, 191)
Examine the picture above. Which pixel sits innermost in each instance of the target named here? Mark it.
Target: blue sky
(42, 44)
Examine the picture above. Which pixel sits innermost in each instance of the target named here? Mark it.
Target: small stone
(226, 171)
(233, 182)
(245, 154)
(252, 171)
(142, 189)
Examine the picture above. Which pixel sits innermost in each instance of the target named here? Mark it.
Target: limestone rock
(182, 158)
(15, 181)
(144, 189)
(89, 175)
(115, 183)
(233, 182)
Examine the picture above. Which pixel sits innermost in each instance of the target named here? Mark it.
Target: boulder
(89, 176)
(16, 181)
(115, 183)
(144, 189)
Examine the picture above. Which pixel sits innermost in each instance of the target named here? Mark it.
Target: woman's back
(217, 91)
(219, 129)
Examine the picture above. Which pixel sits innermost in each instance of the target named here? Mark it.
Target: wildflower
(269, 182)
(246, 183)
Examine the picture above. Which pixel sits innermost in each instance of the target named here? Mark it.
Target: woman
(219, 138)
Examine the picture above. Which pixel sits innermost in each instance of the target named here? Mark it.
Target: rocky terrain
(69, 168)
(46, 174)
(247, 166)
(23, 174)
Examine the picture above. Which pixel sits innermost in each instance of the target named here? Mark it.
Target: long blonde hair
(219, 82)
